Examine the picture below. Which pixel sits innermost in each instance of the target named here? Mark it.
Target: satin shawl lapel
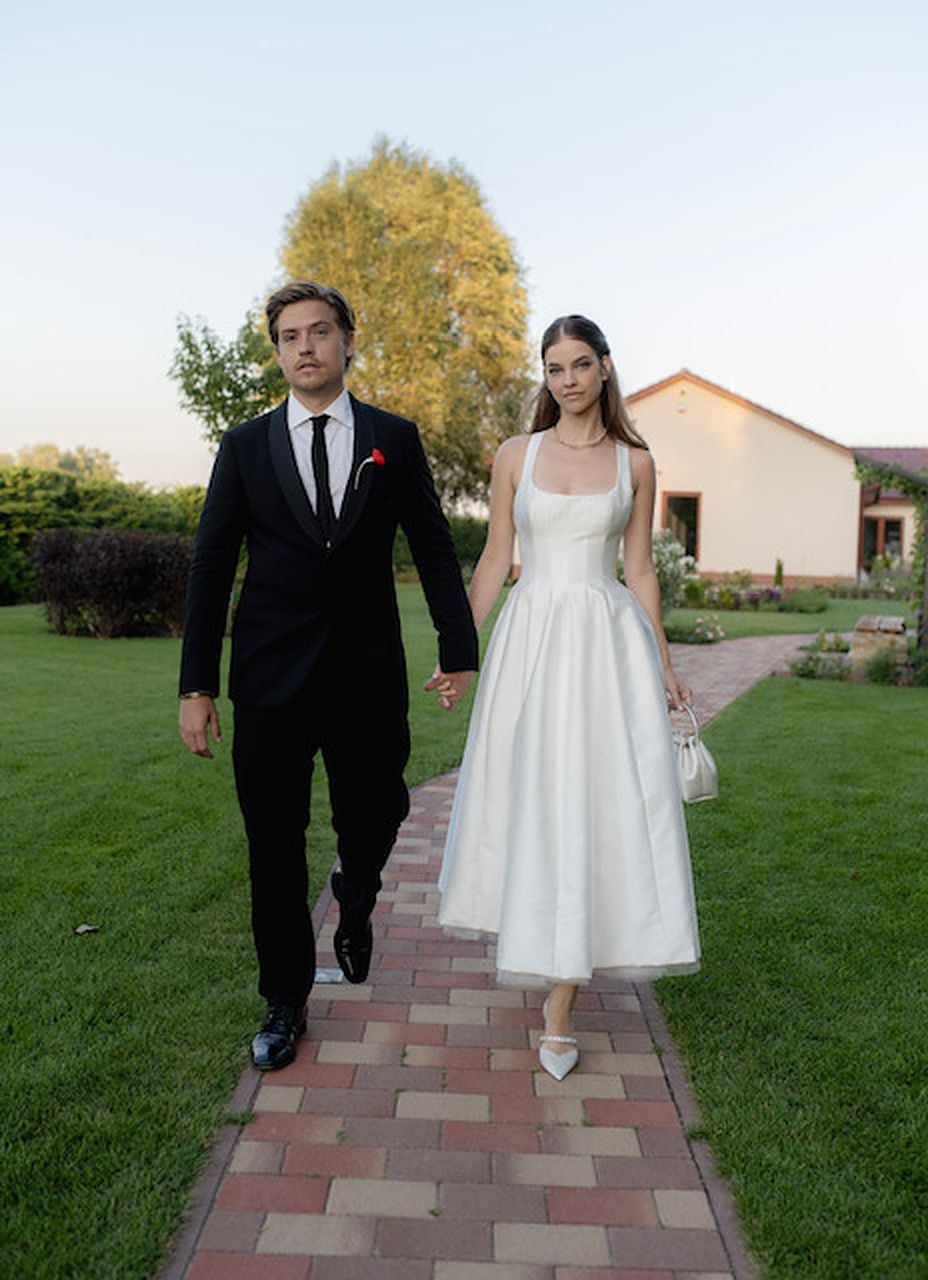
(288, 477)
(356, 496)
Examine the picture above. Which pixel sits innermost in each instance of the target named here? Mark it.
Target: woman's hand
(678, 691)
(450, 685)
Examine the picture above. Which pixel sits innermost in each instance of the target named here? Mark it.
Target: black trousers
(365, 747)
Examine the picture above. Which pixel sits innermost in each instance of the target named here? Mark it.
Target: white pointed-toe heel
(557, 1064)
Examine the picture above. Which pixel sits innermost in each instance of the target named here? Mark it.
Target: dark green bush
(469, 533)
(694, 593)
(883, 667)
(33, 498)
(30, 499)
(918, 661)
(804, 600)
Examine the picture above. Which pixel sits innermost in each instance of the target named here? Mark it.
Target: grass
(838, 615)
(806, 1033)
(119, 1049)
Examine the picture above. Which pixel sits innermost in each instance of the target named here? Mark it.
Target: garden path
(414, 1137)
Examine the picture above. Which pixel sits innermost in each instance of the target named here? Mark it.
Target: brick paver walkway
(415, 1136)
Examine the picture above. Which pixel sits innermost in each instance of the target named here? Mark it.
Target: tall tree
(441, 304)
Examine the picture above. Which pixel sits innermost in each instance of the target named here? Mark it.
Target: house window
(892, 537)
(681, 517)
(882, 536)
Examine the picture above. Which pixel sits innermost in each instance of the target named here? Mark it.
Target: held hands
(450, 685)
(677, 691)
(196, 715)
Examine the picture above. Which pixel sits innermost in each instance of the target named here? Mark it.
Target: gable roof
(686, 375)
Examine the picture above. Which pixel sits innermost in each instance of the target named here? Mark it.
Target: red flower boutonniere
(375, 456)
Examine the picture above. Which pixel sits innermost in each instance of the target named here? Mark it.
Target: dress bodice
(571, 537)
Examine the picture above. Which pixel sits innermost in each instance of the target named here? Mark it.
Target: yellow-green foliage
(439, 295)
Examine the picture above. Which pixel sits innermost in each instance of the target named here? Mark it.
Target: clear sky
(735, 187)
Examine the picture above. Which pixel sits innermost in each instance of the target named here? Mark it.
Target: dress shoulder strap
(528, 461)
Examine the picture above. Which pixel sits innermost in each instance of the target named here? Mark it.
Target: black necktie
(324, 507)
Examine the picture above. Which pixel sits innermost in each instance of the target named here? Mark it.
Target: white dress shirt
(339, 444)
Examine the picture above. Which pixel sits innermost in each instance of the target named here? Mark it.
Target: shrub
(112, 582)
(30, 499)
(883, 667)
(850, 589)
(890, 579)
(694, 592)
(705, 629)
(469, 534)
(727, 597)
(760, 597)
(33, 498)
(835, 643)
(805, 600)
(674, 568)
(819, 666)
(918, 665)
(778, 573)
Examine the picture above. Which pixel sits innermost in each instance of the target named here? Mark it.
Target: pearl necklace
(587, 444)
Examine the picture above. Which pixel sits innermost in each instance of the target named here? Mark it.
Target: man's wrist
(197, 693)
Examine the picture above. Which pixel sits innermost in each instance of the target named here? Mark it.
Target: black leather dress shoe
(275, 1044)
(353, 943)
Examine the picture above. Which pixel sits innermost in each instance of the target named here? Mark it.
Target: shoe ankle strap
(559, 1039)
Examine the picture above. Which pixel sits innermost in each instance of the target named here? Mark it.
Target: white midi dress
(567, 838)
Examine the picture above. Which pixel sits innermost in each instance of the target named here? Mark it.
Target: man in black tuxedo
(317, 487)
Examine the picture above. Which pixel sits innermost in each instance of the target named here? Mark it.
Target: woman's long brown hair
(545, 410)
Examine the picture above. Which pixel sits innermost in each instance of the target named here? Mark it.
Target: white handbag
(696, 769)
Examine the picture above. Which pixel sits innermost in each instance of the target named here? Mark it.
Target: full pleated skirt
(567, 838)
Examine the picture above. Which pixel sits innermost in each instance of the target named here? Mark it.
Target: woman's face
(574, 374)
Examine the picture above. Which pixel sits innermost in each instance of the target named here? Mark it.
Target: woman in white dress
(567, 837)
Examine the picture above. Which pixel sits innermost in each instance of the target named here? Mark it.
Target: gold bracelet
(196, 693)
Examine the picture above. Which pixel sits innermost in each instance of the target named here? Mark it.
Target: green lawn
(839, 615)
(806, 1033)
(121, 1048)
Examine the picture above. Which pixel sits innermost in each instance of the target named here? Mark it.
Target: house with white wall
(742, 486)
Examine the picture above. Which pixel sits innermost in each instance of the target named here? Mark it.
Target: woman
(567, 837)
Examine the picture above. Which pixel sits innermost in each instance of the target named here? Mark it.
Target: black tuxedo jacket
(300, 595)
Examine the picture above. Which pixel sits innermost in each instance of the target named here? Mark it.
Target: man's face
(311, 348)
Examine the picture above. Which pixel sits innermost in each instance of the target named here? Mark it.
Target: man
(317, 487)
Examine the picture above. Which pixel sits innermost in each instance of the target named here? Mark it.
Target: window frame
(684, 493)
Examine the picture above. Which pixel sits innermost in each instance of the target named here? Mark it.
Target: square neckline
(555, 493)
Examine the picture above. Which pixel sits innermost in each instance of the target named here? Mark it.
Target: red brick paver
(415, 1135)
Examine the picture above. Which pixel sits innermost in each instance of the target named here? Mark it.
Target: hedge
(32, 499)
(113, 582)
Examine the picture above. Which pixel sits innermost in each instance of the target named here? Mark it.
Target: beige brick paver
(389, 1199)
(684, 1209)
(418, 1114)
(535, 1242)
(316, 1233)
(442, 1106)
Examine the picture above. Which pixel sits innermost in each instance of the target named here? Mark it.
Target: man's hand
(195, 715)
(450, 685)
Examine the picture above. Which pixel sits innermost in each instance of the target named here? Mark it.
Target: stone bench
(877, 631)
